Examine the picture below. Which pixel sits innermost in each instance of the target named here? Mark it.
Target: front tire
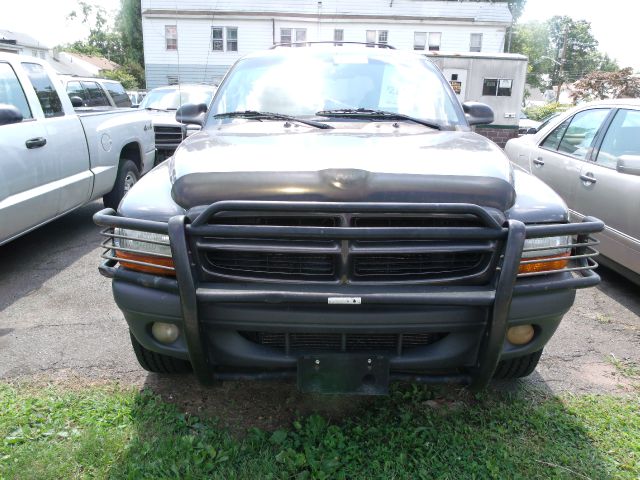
(517, 367)
(157, 362)
(127, 177)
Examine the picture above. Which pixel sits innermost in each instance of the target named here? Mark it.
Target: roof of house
(100, 62)
(19, 38)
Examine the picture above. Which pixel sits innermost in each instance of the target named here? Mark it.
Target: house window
(434, 41)
(171, 37)
(172, 80)
(34, 53)
(220, 35)
(497, 87)
(419, 40)
(292, 35)
(475, 44)
(232, 39)
(217, 39)
(377, 36)
(338, 36)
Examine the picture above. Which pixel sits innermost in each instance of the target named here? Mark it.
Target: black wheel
(157, 362)
(128, 175)
(517, 367)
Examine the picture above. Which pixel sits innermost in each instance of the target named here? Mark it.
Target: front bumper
(469, 321)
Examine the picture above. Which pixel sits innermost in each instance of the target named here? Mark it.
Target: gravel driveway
(58, 321)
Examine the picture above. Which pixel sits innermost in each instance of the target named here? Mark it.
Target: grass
(625, 368)
(108, 432)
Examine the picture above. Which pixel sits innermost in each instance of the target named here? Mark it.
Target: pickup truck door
(612, 196)
(66, 142)
(27, 196)
(559, 157)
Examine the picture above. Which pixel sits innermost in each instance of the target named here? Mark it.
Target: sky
(614, 22)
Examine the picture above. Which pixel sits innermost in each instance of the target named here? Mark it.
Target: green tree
(532, 39)
(129, 26)
(127, 80)
(102, 40)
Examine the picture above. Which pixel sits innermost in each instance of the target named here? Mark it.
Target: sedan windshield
(172, 99)
(305, 82)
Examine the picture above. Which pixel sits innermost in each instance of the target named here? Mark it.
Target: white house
(198, 40)
(22, 44)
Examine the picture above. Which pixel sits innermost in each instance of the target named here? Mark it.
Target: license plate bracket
(344, 374)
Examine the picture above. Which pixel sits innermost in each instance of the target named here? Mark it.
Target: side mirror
(9, 114)
(477, 113)
(76, 101)
(192, 114)
(629, 164)
(532, 131)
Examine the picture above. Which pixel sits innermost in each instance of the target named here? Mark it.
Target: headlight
(143, 251)
(545, 249)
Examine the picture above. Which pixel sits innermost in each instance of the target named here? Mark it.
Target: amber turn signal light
(162, 262)
(544, 266)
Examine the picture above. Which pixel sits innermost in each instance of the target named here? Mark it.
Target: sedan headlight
(143, 251)
(544, 254)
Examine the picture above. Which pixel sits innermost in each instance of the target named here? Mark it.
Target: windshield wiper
(375, 114)
(254, 115)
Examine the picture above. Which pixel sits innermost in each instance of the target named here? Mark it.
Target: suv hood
(357, 162)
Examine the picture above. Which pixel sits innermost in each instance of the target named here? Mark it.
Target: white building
(198, 40)
(22, 44)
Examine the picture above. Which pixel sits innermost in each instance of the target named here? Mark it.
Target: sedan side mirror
(9, 114)
(76, 102)
(477, 113)
(192, 114)
(629, 164)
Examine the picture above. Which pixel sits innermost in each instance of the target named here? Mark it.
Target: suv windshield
(302, 82)
(165, 99)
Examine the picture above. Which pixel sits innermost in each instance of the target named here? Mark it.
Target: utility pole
(563, 58)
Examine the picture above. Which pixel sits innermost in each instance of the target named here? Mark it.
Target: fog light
(520, 335)
(165, 332)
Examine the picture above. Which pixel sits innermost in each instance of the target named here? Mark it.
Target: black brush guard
(186, 231)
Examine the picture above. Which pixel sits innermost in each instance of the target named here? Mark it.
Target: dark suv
(337, 221)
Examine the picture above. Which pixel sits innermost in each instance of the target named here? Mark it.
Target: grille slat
(354, 342)
(168, 135)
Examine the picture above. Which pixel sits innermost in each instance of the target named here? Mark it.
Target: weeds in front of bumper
(414, 433)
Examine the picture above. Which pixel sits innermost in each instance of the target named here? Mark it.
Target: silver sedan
(590, 156)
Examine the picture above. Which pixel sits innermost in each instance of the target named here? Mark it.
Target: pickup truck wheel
(517, 367)
(128, 175)
(157, 362)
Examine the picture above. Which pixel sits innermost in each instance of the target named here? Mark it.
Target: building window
(172, 80)
(338, 36)
(232, 39)
(171, 37)
(475, 44)
(434, 41)
(419, 40)
(34, 53)
(217, 39)
(42, 55)
(377, 36)
(497, 87)
(292, 35)
(221, 36)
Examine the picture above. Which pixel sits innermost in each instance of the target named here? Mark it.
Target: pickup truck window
(11, 92)
(74, 89)
(47, 95)
(97, 98)
(118, 94)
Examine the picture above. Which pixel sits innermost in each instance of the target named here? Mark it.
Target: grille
(433, 264)
(170, 136)
(348, 342)
(272, 264)
(328, 259)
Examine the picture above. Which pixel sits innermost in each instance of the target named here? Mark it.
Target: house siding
(259, 23)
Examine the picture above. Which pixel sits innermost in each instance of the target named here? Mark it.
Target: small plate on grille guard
(344, 374)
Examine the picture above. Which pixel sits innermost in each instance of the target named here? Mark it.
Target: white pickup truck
(52, 159)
